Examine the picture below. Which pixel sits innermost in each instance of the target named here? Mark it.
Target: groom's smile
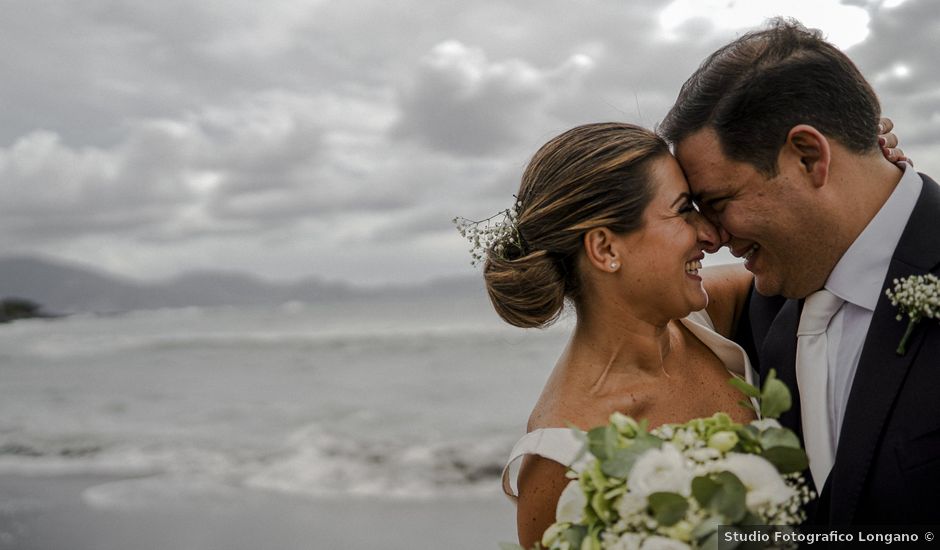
(762, 219)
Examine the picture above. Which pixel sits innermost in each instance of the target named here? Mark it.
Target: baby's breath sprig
(918, 296)
(498, 233)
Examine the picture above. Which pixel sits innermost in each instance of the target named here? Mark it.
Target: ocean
(391, 403)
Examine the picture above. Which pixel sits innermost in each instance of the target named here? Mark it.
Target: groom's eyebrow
(709, 196)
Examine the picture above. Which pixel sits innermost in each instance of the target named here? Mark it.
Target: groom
(776, 133)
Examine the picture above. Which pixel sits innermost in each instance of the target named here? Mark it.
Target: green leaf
(744, 387)
(574, 535)
(601, 507)
(729, 500)
(787, 460)
(668, 508)
(621, 460)
(620, 464)
(775, 398)
(646, 440)
(597, 442)
(704, 489)
(779, 437)
(592, 540)
(595, 478)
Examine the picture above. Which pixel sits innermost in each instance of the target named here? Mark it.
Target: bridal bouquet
(673, 486)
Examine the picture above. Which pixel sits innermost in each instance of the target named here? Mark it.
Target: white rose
(765, 424)
(660, 470)
(760, 477)
(571, 504)
(627, 541)
(662, 543)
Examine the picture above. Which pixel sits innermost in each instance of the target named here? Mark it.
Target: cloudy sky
(337, 139)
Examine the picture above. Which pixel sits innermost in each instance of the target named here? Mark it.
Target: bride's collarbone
(690, 382)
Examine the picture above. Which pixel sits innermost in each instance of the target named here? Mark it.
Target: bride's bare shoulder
(567, 405)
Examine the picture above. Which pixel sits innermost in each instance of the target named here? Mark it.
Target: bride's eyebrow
(684, 197)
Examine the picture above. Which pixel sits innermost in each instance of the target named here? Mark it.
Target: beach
(351, 426)
(50, 513)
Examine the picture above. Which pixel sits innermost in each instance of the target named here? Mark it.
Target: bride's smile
(604, 220)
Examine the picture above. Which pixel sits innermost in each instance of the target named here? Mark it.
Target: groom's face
(766, 221)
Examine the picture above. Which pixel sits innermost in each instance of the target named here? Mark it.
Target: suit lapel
(881, 371)
(779, 352)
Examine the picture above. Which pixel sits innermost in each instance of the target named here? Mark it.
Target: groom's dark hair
(754, 90)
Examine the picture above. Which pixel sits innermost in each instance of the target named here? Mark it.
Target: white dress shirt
(858, 279)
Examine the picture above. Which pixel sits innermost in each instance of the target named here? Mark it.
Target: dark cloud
(463, 103)
(152, 137)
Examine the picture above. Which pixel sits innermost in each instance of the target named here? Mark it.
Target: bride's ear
(599, 250)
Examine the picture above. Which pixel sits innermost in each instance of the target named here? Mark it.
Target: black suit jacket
(887, 464)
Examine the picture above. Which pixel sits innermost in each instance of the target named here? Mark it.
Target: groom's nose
(722, 236)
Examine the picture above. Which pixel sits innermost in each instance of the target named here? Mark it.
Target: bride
(605, 220)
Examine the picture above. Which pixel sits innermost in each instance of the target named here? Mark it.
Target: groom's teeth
(693, 266)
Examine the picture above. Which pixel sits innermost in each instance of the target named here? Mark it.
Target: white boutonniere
(918, 296)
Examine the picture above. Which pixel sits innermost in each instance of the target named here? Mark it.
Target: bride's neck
(603, 344)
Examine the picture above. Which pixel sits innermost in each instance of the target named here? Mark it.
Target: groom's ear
(809, 149)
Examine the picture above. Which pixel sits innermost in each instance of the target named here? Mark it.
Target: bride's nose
(709, 237)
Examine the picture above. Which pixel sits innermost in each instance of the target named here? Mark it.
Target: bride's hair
(591, 176)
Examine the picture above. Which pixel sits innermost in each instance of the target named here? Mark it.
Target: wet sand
(51, 513)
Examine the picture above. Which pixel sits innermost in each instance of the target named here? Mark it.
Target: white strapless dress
(562, 445)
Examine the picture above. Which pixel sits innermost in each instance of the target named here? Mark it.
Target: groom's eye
(717, 204)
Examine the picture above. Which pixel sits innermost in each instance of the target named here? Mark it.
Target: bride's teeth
(693, 266)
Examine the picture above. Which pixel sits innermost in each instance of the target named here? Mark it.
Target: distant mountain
(67, 288)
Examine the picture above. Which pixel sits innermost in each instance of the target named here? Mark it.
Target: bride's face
(662, 259)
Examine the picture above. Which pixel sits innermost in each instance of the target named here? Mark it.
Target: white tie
(812, 376)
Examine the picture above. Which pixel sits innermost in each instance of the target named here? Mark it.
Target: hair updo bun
(591, 176)
(528, 291)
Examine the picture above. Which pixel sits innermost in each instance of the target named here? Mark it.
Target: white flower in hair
(499, 233)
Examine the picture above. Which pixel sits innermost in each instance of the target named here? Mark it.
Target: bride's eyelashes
(688, 207)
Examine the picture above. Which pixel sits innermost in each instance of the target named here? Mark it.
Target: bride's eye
(688, 207)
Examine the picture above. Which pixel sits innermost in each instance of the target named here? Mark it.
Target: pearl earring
(613, 265)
